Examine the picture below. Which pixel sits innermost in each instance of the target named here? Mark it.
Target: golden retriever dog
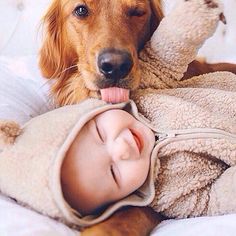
(91, 45)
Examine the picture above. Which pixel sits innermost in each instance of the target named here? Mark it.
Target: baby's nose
(124, 149)
(125, 155)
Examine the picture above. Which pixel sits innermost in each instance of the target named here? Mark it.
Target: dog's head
(94, 44)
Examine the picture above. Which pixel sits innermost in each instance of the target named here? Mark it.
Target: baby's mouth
(115, 95)
(138, 140)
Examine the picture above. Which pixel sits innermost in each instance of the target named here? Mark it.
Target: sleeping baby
(81, 163)
(172, 148)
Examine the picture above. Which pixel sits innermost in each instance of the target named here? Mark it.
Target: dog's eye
(136, 12)
(81, 11)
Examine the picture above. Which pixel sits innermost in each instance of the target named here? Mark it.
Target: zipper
(164, 138)
(193, 133)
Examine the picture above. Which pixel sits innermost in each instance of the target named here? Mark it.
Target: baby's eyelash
(113, 174)
(98, 132)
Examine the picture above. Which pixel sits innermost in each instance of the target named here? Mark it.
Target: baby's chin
(91, 209)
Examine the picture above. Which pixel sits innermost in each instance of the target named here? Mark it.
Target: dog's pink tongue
(115, 95)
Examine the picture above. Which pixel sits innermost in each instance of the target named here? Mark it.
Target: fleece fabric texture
(30, 164)
(197, 127)
(176, 41)
(188, 182)
(193, 163)
(31, 158)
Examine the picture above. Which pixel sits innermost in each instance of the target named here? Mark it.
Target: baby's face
(108, 160)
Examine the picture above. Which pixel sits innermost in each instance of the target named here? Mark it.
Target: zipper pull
(162, 136)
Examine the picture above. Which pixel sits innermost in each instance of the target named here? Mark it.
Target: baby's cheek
(140, 173)
(144, 169)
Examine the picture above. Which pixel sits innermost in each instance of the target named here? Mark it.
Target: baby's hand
(214, 6)
(202, 16)
(191, 22)
(181, 33)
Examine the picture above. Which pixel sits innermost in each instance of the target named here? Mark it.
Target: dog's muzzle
(114, 65)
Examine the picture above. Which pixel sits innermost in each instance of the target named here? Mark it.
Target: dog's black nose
(115, 64)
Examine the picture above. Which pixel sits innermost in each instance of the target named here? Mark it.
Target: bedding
(19, 221)
(16, 220)
(25, 93)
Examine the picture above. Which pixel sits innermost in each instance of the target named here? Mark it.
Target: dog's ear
(154, 20)
(157, 14)
(55, 57)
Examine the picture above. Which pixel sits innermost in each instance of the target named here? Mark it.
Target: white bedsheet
(204, 226)
(24, 91)
(19, 221)
(19, 20)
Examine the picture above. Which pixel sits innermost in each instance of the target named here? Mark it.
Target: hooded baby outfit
(192, 164)
(192, 171)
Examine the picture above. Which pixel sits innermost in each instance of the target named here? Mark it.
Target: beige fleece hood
(31, 159)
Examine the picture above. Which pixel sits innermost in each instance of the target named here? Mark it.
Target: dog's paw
(102, 231)
(131, 221)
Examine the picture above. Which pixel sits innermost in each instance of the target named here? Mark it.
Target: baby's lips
(115, 95)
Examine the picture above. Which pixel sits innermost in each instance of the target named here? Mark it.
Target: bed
(25, 96)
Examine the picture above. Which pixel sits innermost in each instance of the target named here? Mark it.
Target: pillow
(16, 220)
(23, 92)
(207, 226)
(20, 29)
(23, 95)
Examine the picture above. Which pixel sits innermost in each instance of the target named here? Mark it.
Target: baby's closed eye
(98, 131)
(115, 173)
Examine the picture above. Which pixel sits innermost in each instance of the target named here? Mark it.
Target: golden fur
(71, 44)
(69, 55)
